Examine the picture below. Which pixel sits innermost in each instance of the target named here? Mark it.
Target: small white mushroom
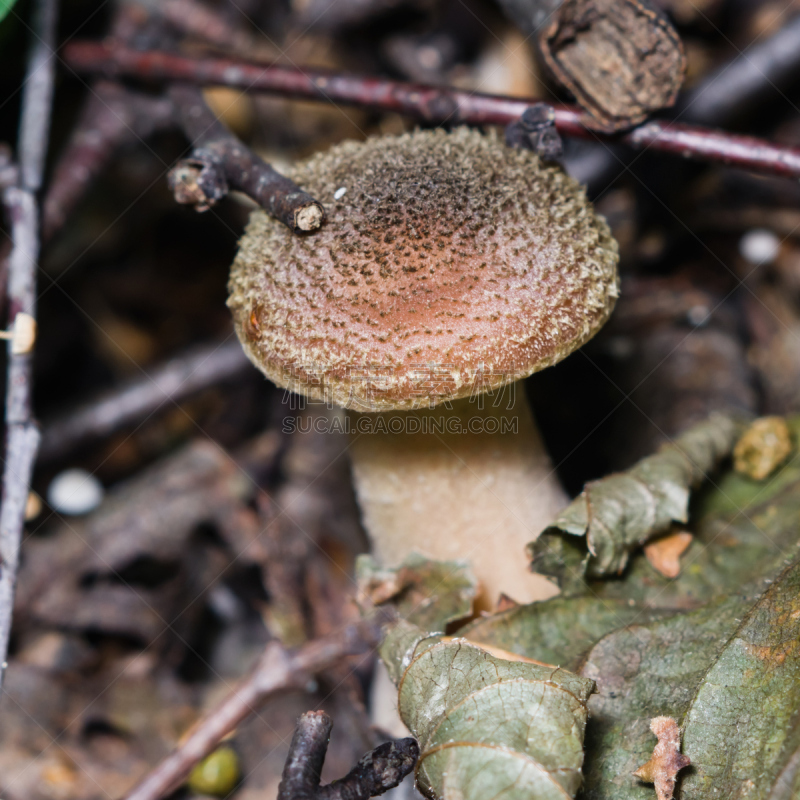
(74, 492)
(759, 246)
(22, 334)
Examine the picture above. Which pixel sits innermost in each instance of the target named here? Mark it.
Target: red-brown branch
(427, 103)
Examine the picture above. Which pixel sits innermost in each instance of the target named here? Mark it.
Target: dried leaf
(666, 761)
(619, 513)
(716, 648)
(762, 448)
(487, 727)
(424, 592)
(664, 553)
(743, 534)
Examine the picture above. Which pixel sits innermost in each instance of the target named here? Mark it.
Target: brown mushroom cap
(450, 263)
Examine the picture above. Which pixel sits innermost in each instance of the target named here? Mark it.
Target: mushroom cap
(450, 265)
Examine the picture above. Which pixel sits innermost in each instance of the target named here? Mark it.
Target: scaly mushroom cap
(450, 264)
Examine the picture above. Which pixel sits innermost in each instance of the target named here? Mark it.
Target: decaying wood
(621, 59)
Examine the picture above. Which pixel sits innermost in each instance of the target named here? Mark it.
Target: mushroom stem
(468, 480)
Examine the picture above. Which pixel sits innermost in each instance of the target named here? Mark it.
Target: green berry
(217, 774)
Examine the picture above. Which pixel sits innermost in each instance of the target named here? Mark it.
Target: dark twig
(278, 670)
(113, 117)
(301, 773)
(378, 771)
(220, 161)
(426, 103)
(174, 380)
(536, 130)
(22, 434)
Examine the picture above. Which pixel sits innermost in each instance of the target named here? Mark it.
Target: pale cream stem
(471, 483)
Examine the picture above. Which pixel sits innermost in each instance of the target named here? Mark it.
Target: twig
(22, 434)
(114, 116)
(427, 103)
(300, 779)
(179, 377)
(35, 116)
(536, 130)
(378, 771)
(278, 670)
(205, 22)
(753, 76)
(220, 160)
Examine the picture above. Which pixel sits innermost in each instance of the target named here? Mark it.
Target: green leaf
(5, 7)
(742, 729)
(488, 727)
(716, 648)
(730, 672)
(645, 671)
(743, 535)
(425, 592)
(557, 631)
(619, 513)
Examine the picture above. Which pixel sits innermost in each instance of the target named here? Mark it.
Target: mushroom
(450, 266)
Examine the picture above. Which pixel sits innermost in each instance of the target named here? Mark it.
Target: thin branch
(113, 117)
(277, 670)
(220, 161)
(22, 434)
(172, 381)
(376, 772)
(744, 83)
(426, 103)
(34, 126)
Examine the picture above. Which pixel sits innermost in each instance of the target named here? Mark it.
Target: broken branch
(376, 772)
(219, 161)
